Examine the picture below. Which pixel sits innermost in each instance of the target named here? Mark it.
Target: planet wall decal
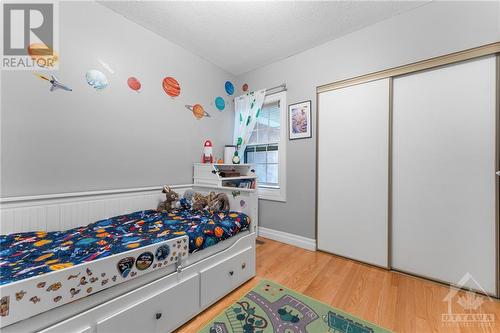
(134, 84)
(171, 86)
(229, 87)
(220, 104)
(96, 79)
(244, 87)
(198, 111)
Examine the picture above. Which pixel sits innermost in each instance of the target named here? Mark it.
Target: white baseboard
(285, 237)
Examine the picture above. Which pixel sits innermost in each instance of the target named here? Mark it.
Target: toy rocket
(55, 84)
(208, 157)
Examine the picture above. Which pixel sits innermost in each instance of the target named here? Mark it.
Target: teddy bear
(212, 201)
(219, 202)
(200, 201)
(171, 198)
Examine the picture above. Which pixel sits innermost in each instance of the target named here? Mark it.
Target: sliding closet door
(444, 212)
(352, 171)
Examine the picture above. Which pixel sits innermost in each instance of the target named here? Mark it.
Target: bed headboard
(70, 210)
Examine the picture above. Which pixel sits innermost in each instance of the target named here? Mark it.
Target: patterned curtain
(247, 109)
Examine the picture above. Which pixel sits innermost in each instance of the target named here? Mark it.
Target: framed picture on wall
(299, 119)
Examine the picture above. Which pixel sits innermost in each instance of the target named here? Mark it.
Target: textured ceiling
(242, 36)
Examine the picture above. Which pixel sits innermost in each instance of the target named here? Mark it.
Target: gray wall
(435, 29)
(88, 140)
(94, 140)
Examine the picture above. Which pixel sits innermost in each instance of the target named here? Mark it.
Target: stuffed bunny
(169, 203)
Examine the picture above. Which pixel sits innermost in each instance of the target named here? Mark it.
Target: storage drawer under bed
(162, 312)
(224, 276)
(153, 308)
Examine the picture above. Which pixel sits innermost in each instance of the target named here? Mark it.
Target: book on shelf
(227, 174)
(241, 183)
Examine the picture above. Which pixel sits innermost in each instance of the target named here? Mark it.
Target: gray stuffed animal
(188, 195)
(169, 204)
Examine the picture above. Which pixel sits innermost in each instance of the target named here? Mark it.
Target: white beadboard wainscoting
(69, 210)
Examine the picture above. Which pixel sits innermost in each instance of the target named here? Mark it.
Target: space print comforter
(28, 254)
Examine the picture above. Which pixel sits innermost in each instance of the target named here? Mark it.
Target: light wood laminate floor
(393, 300)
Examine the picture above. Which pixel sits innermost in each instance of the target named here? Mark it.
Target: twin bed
(71, 280)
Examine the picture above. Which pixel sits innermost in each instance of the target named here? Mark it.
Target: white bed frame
(159, 301)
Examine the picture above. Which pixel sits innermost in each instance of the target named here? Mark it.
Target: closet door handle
(158, 315)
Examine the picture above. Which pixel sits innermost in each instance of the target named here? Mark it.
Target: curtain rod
(269, 91)
(282, 87)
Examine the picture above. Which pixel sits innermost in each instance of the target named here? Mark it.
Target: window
(265, 159)
(266, 148)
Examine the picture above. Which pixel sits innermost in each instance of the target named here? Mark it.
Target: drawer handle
(243, 265)
(158, 315)
(231, 273)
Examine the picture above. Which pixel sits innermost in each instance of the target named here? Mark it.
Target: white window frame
(273, 193)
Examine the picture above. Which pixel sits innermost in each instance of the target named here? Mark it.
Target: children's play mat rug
(270, 307)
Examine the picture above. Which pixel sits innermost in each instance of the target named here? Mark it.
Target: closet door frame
(433, 63)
